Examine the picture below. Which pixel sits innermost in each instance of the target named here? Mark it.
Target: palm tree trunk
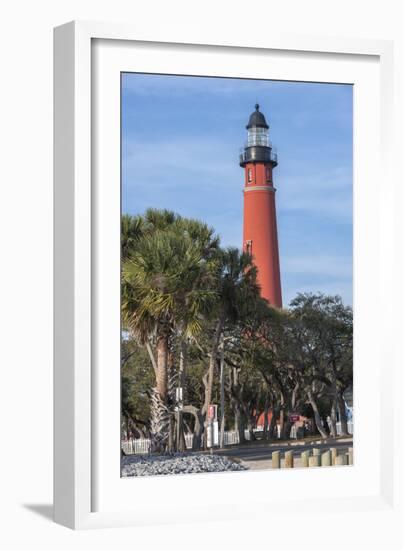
(162, 367)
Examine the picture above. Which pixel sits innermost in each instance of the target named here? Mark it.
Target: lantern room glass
(258, 136)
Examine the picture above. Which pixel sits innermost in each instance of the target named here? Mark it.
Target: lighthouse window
(268, 178)
(249, 175)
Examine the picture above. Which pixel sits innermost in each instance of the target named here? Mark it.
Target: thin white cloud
(201, 160)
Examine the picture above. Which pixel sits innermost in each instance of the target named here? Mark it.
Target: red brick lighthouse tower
(259, 213)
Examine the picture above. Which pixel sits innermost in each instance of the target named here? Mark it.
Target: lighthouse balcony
(258, 154)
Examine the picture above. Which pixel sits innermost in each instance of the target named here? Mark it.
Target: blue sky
(181, 138)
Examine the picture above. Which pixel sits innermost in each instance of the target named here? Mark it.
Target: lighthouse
(260, 238)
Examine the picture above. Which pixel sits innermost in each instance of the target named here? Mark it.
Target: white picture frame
(88, 491)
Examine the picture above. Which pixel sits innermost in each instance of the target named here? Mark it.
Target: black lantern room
(258, 148)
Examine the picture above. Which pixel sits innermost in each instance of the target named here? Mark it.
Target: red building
(259, 217)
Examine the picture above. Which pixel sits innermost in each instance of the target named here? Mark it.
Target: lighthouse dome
(256, 119)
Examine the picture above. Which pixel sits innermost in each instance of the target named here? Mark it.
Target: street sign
(294, 417)
(212, 412)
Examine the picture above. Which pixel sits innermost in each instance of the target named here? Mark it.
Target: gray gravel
(177, 464)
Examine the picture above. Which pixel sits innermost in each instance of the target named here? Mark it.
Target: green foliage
(180, 286)
(137, 378)
(168, 275)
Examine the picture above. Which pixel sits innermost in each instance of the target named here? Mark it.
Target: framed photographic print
(222, 248)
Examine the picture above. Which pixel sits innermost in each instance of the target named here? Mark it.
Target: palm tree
(132, 228)
(237, 291)
(168, 287)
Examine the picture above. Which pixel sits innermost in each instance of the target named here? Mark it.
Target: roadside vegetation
(192, 317)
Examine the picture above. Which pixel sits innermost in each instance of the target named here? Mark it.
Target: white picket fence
(142, 446)
(136, 446)
(232, 437)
